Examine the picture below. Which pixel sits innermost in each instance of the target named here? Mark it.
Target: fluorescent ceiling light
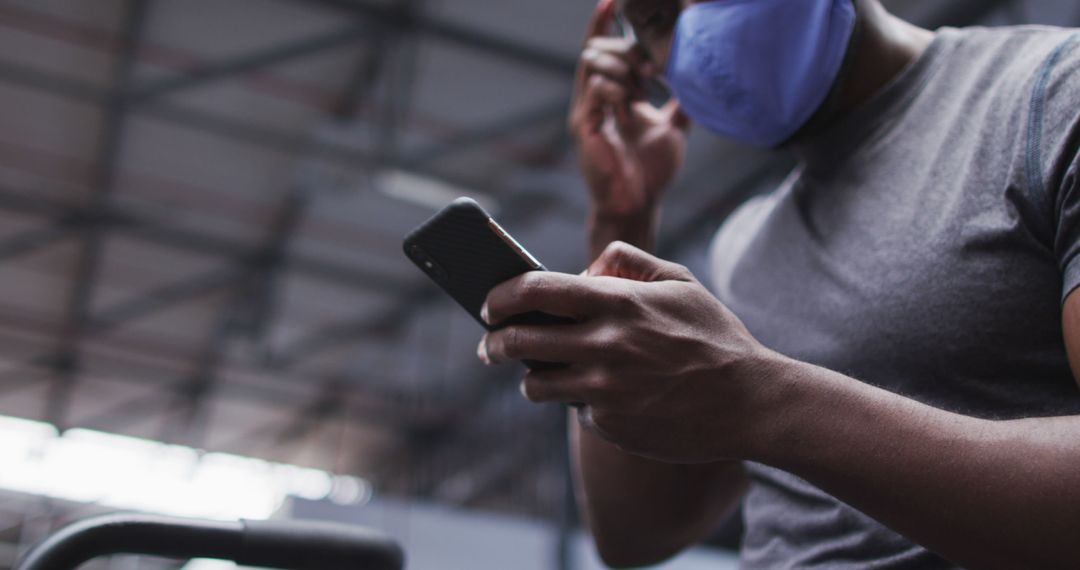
(128, 473)
(426, 191)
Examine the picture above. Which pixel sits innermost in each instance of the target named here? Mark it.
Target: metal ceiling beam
(262, 282)
(538, 116)
(132, 224)
(31, 241)
(397, 103)
(364, 76)
(246, 311)
(397, 95)
(372, 403)
(326, 406)
(247, 63)
(369, 413)
(123, 312)
(90, 256)
(492, 45)
(192, 425)
(259, 136)
(117, 417)
(335, 335)
(26, 373)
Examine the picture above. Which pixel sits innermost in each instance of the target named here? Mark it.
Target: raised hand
(629, 150)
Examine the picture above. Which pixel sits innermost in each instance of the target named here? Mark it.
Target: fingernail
(521, 388)
(481, 351)
(484, 313)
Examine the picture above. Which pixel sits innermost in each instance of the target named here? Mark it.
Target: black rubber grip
(316, 545)
(291, 545)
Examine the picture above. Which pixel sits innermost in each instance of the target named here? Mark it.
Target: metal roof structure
(201, 208)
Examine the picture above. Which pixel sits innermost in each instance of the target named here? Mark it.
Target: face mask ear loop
(827, 111)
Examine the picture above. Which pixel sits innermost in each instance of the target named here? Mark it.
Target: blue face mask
(756, 70)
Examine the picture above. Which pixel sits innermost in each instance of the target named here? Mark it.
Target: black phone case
(469, 259)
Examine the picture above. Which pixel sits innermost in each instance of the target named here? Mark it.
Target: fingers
(586, 385)
(564, 385)
(599, 25)
(602, 93)
(607, 63)
(609, 82)
(618, 62)
(619, 49)
(602, 18)
(543, 343)
(625, 261)
(557, 294)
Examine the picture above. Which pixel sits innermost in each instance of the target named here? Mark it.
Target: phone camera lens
(428, 264)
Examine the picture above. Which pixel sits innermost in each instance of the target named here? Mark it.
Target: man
(884, 379)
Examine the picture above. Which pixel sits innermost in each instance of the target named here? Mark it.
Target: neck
(883, 46)
(886, 45)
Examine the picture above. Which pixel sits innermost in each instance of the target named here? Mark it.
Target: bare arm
(640, 511)
(985, 494)
(643, 511)
(671, 374)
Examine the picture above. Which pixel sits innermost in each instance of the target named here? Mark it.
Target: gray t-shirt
(924, 246)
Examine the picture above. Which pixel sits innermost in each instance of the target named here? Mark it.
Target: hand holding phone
(466, 253)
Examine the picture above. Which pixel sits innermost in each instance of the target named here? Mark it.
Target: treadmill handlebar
(290, 545)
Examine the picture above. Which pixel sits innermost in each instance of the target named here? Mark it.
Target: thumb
(625, 261)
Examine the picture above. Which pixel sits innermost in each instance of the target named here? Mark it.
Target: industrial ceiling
(201, 208)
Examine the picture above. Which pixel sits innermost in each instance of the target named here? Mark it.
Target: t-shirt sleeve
(1054, 152)
(1067, 237)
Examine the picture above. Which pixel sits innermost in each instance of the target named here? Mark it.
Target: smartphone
(657, 90)
(467, 253)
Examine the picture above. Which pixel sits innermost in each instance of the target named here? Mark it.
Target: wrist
(636, 216)
(637, 227)
(780, 385)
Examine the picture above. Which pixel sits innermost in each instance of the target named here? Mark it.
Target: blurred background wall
(203, 305)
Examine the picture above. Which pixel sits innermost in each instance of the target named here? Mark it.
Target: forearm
(985, 494)
(638, 229)
(643, 511)
(639, 510)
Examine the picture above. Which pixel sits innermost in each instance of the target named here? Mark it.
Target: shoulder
(1039, 61)
(1024, 82)
(1022, 44)
(1053, 106)
(1055, 96)
(1007, 56)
